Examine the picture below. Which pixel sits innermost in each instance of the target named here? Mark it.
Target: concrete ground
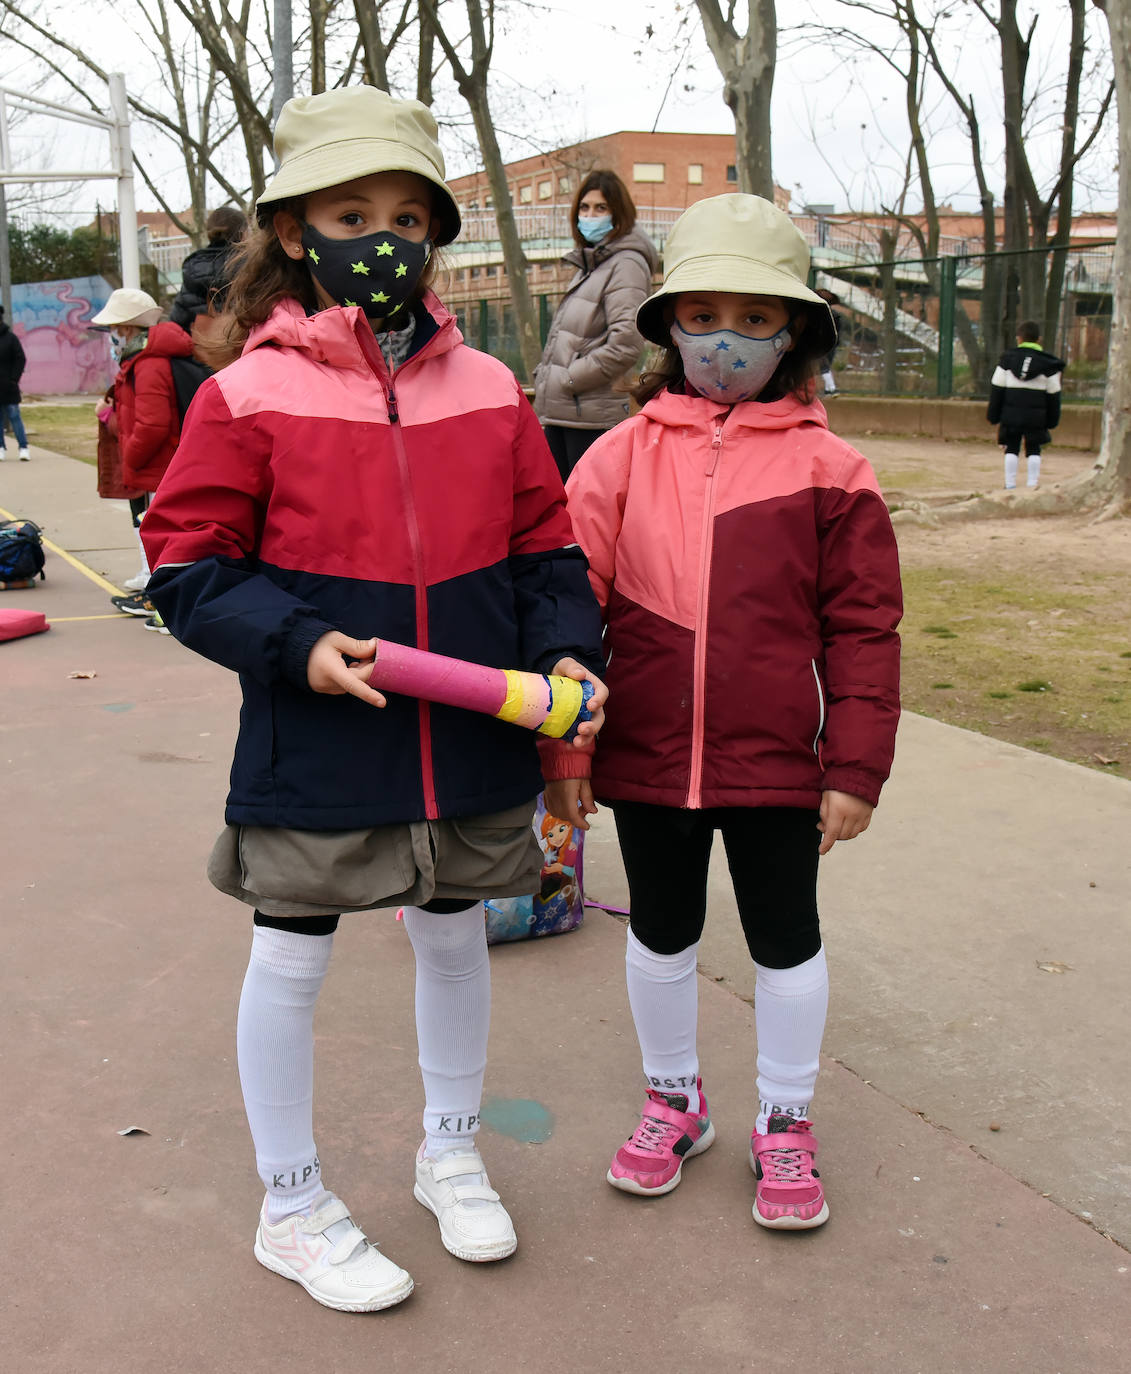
(118, 1004)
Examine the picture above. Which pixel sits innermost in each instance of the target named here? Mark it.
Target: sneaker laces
(787, 1163)
(652, 1134)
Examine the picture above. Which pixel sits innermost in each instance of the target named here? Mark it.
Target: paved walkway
(117, 1010)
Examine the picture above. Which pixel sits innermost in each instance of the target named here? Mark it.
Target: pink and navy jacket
(313, 491)
(747, 570)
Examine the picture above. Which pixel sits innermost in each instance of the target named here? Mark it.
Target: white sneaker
(137, 583)
(344, 1271)
(25, 456)
(474, 1224)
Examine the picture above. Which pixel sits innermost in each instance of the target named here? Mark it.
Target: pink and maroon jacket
(748, 574)
(313, 490)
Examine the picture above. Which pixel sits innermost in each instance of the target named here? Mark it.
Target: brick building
(664, 173)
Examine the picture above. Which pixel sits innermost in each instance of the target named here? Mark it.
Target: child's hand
(327, 670)
(571, 799)
(843, 817)
(587, 730)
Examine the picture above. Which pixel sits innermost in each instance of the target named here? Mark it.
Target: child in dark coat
(1025, 402)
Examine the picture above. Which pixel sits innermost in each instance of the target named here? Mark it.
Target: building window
(565, 186)
(695, 174)
(545, 190)
(647, 171)
(732, 172)
(492, 271)
(474, 205)
(526, 194)
(474, 273)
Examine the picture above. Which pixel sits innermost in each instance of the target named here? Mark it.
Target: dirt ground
(1021, 627)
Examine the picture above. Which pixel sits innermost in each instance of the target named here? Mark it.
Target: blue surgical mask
(594, 230)
(726, 366)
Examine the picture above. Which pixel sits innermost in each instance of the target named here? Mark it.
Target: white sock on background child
(790, 1006)
(453, 1017)
(663, 992)
(1034, 462)
(275, 1048)
(1011, 462)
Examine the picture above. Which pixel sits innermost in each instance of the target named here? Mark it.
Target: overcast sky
(572, 69)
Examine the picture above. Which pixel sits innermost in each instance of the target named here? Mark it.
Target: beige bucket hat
(127, 305)
(738, 243)
(323, 140)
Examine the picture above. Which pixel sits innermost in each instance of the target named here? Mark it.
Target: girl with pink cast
(745, 564)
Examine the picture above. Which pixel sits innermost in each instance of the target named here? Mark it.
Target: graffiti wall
(64, 356)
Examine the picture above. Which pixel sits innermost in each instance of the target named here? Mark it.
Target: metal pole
(948, 294)
(282, 59)
(123, 159)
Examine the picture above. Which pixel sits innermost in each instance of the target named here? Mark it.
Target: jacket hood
(1031, 362)
(635, 241)
(167, 340)
(672, 408)
(341, 335)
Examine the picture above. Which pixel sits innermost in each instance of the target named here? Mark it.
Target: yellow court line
(65, 619)
(73, 561)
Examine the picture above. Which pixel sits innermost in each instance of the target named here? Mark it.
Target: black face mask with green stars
(377, 272)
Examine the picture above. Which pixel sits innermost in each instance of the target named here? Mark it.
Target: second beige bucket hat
(323, 140)
(738, 243)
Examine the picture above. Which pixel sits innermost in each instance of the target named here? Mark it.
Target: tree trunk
(1112, 473)
(746, 64)
(472, 83)
(889, 294)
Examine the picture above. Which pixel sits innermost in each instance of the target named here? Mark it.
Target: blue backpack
(21, 552)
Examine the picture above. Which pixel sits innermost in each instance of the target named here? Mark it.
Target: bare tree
(1111, 478)
(746, 63)
(472, 80)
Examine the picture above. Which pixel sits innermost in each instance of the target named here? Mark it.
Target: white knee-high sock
(1034, 464)
(790, 1005)
(663, 992)
(1011, 461)
(453, 1017)
(275, 1047)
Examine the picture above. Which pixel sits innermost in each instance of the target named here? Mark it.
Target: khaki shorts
(324, 872)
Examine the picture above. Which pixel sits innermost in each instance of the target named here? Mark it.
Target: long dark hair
(621, 208)
(264, 276)
(794, 375)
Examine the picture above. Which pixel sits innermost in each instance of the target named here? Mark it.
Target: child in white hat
(358, 472)
(747, 570)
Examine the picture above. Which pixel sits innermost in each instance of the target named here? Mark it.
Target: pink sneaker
(788, 1195)
(650, 1161)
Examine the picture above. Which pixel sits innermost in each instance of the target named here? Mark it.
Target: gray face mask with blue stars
(726, 366)
(378, 272)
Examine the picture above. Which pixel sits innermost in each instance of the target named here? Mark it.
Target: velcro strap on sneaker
(325, 1217)
(471, 1192)
(451, 1166)
(348, 1244)
(783, 1140)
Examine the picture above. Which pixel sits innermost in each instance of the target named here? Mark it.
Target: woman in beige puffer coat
(593, 339)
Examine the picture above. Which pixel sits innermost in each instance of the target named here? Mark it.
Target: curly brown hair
(794, 375)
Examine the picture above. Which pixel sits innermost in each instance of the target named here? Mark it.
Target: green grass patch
(71, 430)
(1027, 625)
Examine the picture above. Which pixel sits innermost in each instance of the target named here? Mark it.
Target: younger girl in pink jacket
(747, 571)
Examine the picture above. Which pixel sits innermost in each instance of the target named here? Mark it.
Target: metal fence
(914, 327)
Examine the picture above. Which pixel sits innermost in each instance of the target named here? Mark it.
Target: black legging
(567, 445)
(326, 925)
(772, 855)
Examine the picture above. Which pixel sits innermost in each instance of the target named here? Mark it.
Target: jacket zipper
(427, 774)
(699, 683)
(820, 708)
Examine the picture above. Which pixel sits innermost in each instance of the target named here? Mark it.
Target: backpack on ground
(188, 374)
(21, 553)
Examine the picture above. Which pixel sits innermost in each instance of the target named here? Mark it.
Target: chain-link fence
(936, 327)
(924, 327)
